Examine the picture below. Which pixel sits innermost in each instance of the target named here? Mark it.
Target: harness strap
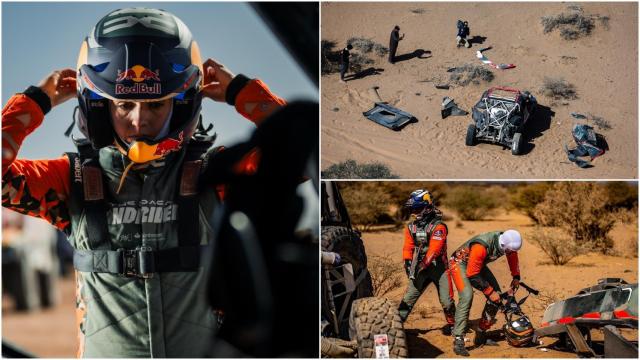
(140, 262)
(88, 187)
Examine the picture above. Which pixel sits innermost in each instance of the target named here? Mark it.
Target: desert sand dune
(602, 66)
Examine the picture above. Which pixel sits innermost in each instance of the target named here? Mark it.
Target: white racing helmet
(510, 240)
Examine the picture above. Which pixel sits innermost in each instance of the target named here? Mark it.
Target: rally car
(500, 117)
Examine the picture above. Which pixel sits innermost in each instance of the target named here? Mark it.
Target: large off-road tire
(470, 140)
(348, 244)
(517, 144)
(373, 316)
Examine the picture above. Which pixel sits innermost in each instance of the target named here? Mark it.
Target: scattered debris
(578, 116)
(544, 349)
(449, 107)
(486, 61)
(442, 87)
(418, 94)
(452, 69)
(418, 11)
(387, 115)
(335, 109)
(588, 143)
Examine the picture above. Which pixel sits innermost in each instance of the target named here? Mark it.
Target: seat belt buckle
(138, 262)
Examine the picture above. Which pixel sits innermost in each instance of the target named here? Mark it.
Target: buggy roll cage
(503, 100)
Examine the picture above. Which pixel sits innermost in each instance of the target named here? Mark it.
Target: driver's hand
(515, 284)
(60, 85)
(216, 80)
(495, 297)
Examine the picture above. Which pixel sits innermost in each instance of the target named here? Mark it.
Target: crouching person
(463, 32)
(425, 256)
(468, 269)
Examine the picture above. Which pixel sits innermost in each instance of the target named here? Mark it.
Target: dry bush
(358, 62)
(366, 204)
(600, 122)
(559, 246)
(470, 202)
(621, 194)
(386, 274)
(467, 73)
(330, 57)
(572, 26)
(558, 88)
(350, 169)
(366, 46)
(526, 197)
(580, 209)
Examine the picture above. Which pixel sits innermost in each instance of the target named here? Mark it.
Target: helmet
(510, 240)
(139, 54)
(519, 332)
(420, 203)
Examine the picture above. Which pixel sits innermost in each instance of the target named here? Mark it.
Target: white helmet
(510, 240)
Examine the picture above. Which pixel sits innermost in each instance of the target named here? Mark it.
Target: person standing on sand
(425, 242)
(463, 32)
(344, 61)
(393, 43)
(468, 269)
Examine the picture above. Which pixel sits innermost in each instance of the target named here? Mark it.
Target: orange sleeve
(37, 188)
(512, 259)
(407, 249)
(437, 243)
(476, 259)
(255, 101)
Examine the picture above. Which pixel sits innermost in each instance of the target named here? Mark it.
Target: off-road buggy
(352, 321)
(610, 305)
(500, 117)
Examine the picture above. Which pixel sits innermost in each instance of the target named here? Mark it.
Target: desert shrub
(367, 205)
(358, 62)
(330, 57)
(366, 46)
(470, 202)
(580, 209)
(558, 88)
(526, 197)
(572, 26)
(386, 273)
(600, 122)
(557, 244)
(350, 169)
(467, 73)
(621, 194)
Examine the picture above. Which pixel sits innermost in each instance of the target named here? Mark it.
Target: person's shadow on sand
(539, 122)
(418, 53)
(477, 39)
(419, 347)
(364, 73)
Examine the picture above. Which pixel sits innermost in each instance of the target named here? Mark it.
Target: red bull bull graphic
(169, 145)
(140, 81)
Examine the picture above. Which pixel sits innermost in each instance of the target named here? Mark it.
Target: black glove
(407, 266)
(515, 283)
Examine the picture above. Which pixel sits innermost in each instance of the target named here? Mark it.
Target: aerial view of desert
(578, 60)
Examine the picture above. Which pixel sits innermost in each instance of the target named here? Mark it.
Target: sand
(604, 73)
(554, 282)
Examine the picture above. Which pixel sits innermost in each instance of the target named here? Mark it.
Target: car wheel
(516, 145)
(471, 135)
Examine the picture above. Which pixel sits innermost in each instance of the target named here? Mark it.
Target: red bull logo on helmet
(145, 81)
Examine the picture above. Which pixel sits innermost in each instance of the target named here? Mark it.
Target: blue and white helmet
(420, 202)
